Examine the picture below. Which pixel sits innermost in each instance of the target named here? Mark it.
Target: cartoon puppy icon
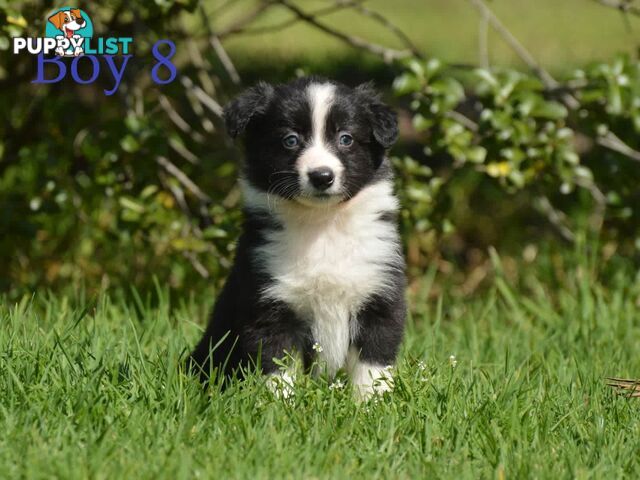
(69, 22)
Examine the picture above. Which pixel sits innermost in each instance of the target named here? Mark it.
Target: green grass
(93, 391)
(561, 34)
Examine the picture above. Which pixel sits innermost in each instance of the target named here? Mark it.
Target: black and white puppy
(319, 268)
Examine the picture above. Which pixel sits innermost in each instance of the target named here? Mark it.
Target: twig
(184, 152)
(215, 43)
(514, 43)
(483, 41)
(624, 386)
(202, 96)
(178, 121)
(239, 25)
(521, 51)
(382, 20)
(177, 193)
(611, 141)
(203, 66)
(197, 265)
(597, 219)
(556, 218)
(462, 119)
(183, 179)
(387, 54)
(225, 59)
(278, 27)
(625, 6)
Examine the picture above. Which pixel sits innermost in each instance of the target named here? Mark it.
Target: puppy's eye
(291, 141)
(66, 20)
(345, 140)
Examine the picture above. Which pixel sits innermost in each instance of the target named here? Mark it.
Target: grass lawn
(94, 392)
(562, 35)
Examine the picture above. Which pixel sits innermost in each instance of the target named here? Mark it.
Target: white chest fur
(325, 264)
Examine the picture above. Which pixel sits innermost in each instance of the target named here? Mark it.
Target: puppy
(319, 270)
(68, 22)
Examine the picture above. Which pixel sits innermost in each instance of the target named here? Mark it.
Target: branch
(557, 218)
(387, 54)
(521, 51)
(196, 264)
(202, 96)
(239, 25)
(178, 121)
(483, 41)
(215, 43)
(183, 151)
(277, 27)
(611, 141)
(625, 6)
(183, 179)
(381, 19)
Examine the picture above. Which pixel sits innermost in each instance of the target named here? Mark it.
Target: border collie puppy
(319, 269)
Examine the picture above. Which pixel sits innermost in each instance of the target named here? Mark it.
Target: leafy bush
(504, 129)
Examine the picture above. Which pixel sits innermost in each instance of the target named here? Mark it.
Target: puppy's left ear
(250, 104)
(384, 121)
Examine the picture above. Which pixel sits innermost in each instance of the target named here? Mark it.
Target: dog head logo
(70, 26)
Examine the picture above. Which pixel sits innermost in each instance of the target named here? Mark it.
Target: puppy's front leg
(277, 339)
(374, 350)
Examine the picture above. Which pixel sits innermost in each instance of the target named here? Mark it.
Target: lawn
(93, 390)
(562, 35)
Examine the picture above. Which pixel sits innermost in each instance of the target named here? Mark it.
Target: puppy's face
(312, 141)
(68, 21)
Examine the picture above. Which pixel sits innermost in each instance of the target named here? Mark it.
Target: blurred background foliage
(520, 134)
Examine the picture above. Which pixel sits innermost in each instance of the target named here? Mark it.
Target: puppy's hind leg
(375, 347)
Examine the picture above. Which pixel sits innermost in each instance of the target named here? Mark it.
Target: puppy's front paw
(60, 51)
(369, 380)
(281, 384)
(78, 51)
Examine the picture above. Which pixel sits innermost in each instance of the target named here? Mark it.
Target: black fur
(244, 328)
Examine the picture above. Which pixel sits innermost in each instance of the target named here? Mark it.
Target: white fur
(317, 155)
(281, 383)
(326, 262)
(368, 379)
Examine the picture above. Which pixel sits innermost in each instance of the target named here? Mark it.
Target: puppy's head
(311, 140)
(68, 21)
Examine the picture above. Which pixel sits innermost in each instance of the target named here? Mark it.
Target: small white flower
(317, 347)
(452, 361)
(337, 385)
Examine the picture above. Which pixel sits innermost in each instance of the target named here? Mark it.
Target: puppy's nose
(321, 178)
(80, 20)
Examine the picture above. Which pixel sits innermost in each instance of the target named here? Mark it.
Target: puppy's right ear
(250, 104)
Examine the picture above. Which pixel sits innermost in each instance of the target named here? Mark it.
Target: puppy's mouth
(318, 199)
(68, 32)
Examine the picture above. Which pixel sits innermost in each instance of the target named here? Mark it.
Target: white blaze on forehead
(320, 96)
(320, 99)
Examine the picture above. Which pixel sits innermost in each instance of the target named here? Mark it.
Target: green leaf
(129, 203)
(550, 110)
